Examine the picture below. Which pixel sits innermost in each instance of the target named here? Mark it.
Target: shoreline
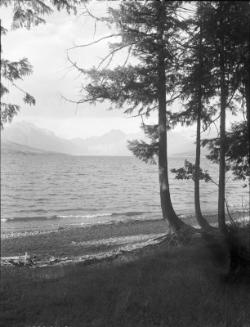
(83, 243)
(124, 250)
(190, 218)
(57, 229)
(63, 241)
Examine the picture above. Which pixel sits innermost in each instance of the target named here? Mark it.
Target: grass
(177, 286)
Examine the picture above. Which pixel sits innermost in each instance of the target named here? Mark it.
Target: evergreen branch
(81, 101)
(128, 55)
(110, 54)
(18, 88)
(101, 19)
(29, 99)
(74, 64)
(94, 42)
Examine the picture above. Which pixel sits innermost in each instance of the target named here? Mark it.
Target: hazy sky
(45, 47)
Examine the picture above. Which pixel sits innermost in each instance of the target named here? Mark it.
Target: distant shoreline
(19, 148)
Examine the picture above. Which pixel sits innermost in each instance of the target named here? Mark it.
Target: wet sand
(79, 241)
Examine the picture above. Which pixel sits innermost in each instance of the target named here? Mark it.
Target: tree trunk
(166, 204)
(201, 220)
(222, 165)
(247, 91)
(247, 94)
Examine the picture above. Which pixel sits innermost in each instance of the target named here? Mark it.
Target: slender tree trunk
(247, 94)
(247, 91)
(201, 220)
(166, 204)
(222, 165)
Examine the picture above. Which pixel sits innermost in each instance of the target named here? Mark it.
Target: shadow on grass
(178, 286)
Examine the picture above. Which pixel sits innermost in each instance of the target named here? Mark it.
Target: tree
(223, 75)
(197, 90)
(218, 31)
(241, 39)
(223, 105)
(25, 15)
(148, 30)
(240, 22)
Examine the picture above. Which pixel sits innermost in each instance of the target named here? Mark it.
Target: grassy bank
(177, 286)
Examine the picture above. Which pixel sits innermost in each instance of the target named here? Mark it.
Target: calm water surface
(41, 191)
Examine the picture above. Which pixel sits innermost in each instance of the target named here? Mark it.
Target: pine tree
(240, 22)
(218, 33)
(148, 30)
(223, 105)
(197, 90)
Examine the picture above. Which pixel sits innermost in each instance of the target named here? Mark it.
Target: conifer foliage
(201, 58)
(148, 31)
(196, 53)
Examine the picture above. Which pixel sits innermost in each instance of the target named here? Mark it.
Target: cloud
(45, 46)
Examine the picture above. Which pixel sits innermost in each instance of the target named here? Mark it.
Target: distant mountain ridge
(11, 147)
(113, 143)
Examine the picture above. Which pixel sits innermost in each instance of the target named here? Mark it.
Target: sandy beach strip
(80, 240)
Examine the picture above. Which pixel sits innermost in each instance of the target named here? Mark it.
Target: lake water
(47, 191)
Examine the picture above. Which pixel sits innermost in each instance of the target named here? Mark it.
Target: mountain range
(26, 137)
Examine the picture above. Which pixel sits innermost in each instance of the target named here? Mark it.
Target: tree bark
(200, 219)
(247, 91)
(166, 203)
(247, 94)
(222, 164)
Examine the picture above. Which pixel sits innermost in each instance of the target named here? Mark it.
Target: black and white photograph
(125, 155)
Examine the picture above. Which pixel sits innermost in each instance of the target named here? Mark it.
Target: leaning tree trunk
(166, 204)
(201, 220)
(222, 165)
